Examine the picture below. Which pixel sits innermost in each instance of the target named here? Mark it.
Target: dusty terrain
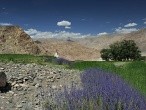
(69, 50)
(34, 85)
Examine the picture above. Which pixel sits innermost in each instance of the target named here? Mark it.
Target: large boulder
(3, 79)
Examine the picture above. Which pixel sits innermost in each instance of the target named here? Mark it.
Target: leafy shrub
(105, 54)
(103, 91)
(124, 50)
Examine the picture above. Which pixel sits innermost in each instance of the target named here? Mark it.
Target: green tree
(115, 50)
(119, 51)
(105, 54)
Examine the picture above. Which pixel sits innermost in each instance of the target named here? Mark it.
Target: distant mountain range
(89, 48)
(14, 40)
(104, 41)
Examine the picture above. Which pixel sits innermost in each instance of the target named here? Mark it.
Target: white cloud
(130, 25)
(67, 27)
(5, 24)
(31, 31)
(65, 24)
(145, 22)
(61, 34)
(101, 34)
(125, 30)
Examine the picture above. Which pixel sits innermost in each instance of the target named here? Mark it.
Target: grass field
(132, 72)
(24, 58)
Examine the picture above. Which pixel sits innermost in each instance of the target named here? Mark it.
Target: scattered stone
(31, 84)
(2, 68)
(19, 106)
(37, 85)
(11, 92)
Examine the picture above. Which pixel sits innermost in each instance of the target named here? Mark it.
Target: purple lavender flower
(105, 91)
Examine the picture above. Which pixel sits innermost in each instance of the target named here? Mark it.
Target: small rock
(54, 87)
(19, 106)
(23, 101)
(11, 92)
(37, 85)
(33, 84)
(50, 80)
(58, 77)
(1, 108)
(25, 79)
(61, 86)
(49, 77)
(23, 85)
(20, 81)
(37, 102)
(2, 68)
(16, 85)
(13, 83)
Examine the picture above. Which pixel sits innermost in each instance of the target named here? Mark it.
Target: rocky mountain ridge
(14, 40)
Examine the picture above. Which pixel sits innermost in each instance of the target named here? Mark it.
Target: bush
(61, 61)
(119, 51)
(105, 54)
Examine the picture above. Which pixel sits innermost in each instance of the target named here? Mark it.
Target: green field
(24, 58)
(132, 72)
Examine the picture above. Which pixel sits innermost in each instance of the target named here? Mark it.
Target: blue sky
(84, 17)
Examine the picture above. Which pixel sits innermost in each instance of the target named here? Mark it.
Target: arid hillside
(104, 41)
(67, 49)
(14, 40)
(89, 48)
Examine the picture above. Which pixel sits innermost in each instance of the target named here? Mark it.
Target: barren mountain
(69, 50)
(139, 37)
(89, 48)
(104, 41)
(14, 40)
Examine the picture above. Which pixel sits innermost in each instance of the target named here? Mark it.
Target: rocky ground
(30, 86)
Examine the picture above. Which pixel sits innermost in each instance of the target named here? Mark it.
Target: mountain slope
(89, 48)
(68, 50)
(14, 40)
(104, 41)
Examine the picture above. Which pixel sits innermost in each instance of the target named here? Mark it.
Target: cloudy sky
(74, 17)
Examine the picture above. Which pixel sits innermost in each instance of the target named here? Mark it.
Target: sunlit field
(106, 85)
